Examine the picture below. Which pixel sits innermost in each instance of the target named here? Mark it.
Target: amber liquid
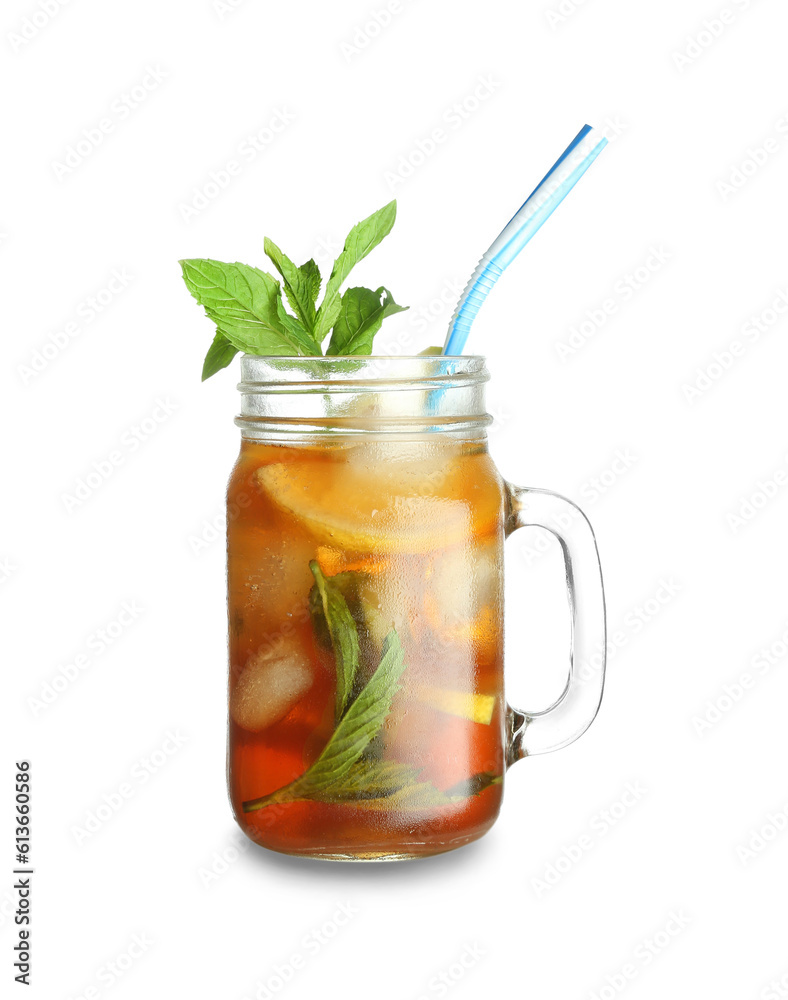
(419, 524)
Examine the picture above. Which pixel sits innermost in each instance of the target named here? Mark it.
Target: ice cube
(268, 575)
(271, 683)
(464, 584)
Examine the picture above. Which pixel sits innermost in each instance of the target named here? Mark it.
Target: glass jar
(365, 576)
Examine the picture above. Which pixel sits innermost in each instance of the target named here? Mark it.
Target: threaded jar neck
(282, 397)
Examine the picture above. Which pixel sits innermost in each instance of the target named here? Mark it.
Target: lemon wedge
(475, 707)
(357, 513)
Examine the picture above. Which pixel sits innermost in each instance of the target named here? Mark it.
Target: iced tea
(365, 619)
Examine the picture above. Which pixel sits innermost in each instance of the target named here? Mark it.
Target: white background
(691, 110)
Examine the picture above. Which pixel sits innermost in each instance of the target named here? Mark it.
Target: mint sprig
(389, 785)
(302, 284)
(243, 303)
(361, 239)
(248, 305)
(347, 772)
(361, 722)
(343, 633)
(361, 314)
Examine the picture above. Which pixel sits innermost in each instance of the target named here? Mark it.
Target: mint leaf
(474, 785)
(379, 785)
(301, 284)
(413, 793)
(293, 326)
(388, 784)
(342, 774)
(361, 314)
(343, 633)
(360, 724)
(310, 272)
(248, 307)
(364, 602)
(245, 305)
(362, 238)
(384, 784)
(370, 780)
(220, 354)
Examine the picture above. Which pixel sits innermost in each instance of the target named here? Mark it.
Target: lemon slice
(350, 511)
(475, 707)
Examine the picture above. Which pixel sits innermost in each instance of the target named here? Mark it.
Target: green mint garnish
(389, 785)
(244, 303)
(361, 314)
(302, 284)
(248, 307)
(343, 633)
(345, 772)
(362, 238)
(360, 723)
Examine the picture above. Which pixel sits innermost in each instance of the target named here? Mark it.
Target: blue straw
(536, 210)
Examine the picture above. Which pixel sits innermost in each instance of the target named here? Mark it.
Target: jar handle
(569, 717)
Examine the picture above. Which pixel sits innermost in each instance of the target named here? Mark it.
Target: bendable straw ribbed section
(527, 221)
(476, 291)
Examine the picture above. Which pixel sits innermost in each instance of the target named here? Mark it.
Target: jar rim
(362, 394)
(286, 361)
(376, 371)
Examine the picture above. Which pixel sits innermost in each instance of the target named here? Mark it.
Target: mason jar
(367, 716)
